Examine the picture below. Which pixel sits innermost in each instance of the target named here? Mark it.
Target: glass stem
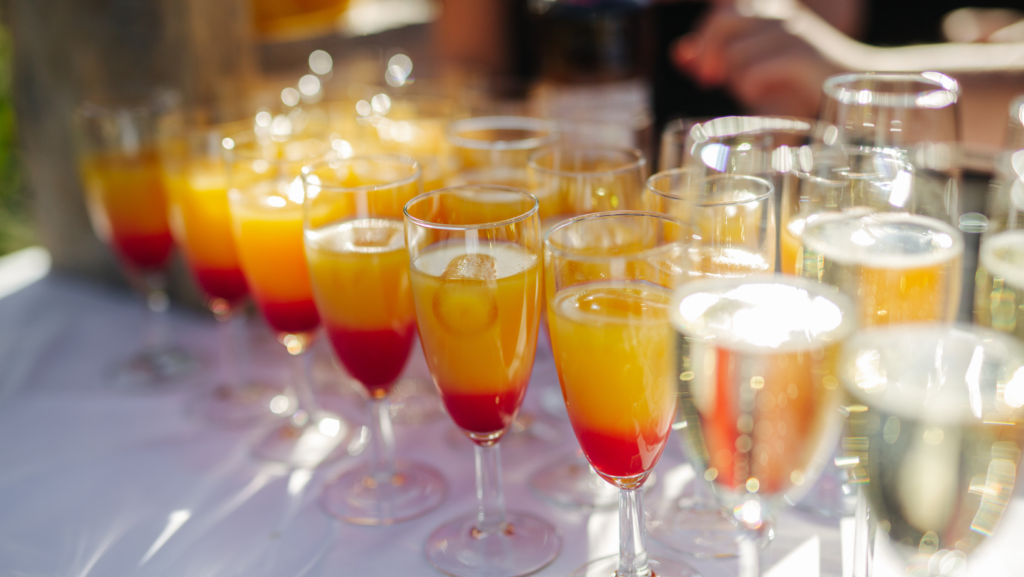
(383, 438)
(302, 365)
(750, 554)
(490, 496)
(230, 327)
(632, 534)
(157, 303)
(862, 537)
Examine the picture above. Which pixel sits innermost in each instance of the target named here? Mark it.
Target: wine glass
(194, 174)
(474, 254)
(937, 412)
(495, 149)
(119, 165)
(759, 396)
(734, 223)
(355, 247)
(609, 281)
(570, 181)
(266, 200)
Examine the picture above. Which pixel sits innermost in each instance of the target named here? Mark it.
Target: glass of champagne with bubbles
(355, 247)
(759, 396)
(937, 410)
(733, 218)
(609, 281)
(474, 254)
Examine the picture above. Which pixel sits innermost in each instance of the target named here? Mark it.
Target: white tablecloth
(94, 481)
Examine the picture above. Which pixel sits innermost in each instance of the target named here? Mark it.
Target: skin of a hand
(767, 69)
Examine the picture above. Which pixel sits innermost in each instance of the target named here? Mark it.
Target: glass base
(700, 529)
(357, 497)
(241, 405)
(306, 442)
(570, 482)
(609, 566)
(154, 369)
(528, 544)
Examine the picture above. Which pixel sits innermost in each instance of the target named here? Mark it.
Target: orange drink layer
(789, 245)
(267, 223)
(612, 347)
(201, 220)
(128, 207)
(478, 319)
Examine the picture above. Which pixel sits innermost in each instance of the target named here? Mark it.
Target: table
(95, 481)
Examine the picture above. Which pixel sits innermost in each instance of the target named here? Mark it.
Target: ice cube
(373, 237)
(481, 267)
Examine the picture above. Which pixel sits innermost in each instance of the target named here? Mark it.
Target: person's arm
(473, 34)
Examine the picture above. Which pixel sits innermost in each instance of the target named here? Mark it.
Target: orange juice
(201, 220)
(478, 317)
(789, 241)
(267, 224)
(612, 346)
(128, 207)
(360, 273)
(296, 18)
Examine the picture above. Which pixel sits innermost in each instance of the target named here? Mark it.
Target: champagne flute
(609, 281)
(359, 268)
(758, 393)
(194, 174)
(570, 181)
(734, 223)
(474, 254)
(266, 200)
(127, 204)
(937, 412)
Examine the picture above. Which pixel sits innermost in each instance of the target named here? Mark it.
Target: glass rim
(483, 226)
(846, 327)
(1017, 110)
(937, 90)
(753, 124)
(308, 169)
(561, 253)
(638, 162)
(693, 198)
(540, 125)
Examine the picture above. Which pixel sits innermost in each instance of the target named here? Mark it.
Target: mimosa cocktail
(266, 200)
(608, 299)
(476, 289)
(1000, 283)
(355, 245)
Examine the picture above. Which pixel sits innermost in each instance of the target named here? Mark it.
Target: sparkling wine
(1000, 283)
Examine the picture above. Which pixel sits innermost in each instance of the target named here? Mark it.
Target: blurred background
(233, 55)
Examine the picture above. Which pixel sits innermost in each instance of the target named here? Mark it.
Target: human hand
(764, 66)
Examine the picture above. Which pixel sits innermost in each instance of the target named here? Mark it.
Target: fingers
(703, 53)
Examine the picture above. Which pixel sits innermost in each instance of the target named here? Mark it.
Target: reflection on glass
(937, 410)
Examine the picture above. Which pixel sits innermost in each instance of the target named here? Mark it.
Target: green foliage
(16, 227)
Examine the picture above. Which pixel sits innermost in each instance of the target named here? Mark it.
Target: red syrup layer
(374, 358)
(618, 455)
(484, 414)
(227, 284)
(293, 318)
(144, 251)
